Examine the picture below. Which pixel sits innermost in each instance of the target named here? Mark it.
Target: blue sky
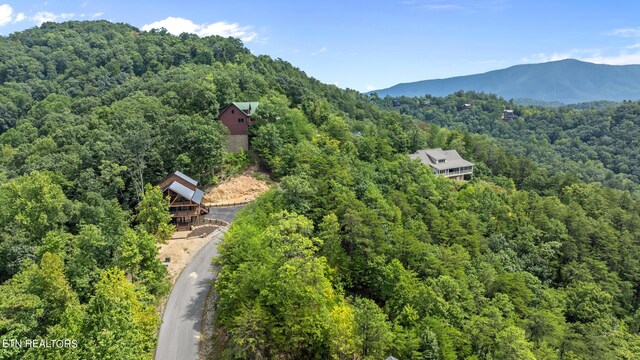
(366, 45)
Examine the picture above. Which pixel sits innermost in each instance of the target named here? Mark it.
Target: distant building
(509, 115)
(464, 107)
(185, 200)
(425, 103)
(237, 117)
(447, 163)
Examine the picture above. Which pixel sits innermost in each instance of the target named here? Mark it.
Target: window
(233, 111)
(240, 120)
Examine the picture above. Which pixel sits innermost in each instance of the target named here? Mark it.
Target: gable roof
(247, 107)
(197, 196)
(431, 156)
(186, 178)
(184, 186)
(192, 195)
(437, 154)
(180, 189)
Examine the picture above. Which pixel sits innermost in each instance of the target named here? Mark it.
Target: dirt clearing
(181, 248)
(237, 190)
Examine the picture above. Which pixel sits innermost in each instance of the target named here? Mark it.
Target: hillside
(358, 252)
(566, 81)
(595, 142)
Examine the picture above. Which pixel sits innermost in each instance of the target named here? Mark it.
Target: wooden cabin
(237, 117)
(185, 200)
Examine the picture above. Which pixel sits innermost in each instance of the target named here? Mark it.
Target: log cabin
(185, 200)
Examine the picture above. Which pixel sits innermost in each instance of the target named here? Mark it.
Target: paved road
(225, 213)
(179, 335)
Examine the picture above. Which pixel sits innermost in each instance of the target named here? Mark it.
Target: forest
(358, 252)
(597, 141)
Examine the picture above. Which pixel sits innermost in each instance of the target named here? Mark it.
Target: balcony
(455, 172)
(185, 213)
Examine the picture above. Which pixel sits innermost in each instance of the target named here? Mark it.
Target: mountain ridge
(567, 81)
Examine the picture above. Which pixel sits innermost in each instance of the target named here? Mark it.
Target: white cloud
(227, 29)
(624, 56)
(320, 51)
(96, 15)
(580, 54)
(173, 25)
(626, 32)
(442, 7)
(45, 16)
(458, 5)
(5, 14)
(177, 26)
(544, 57)
(371, 87)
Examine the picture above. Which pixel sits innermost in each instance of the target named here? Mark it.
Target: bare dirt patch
(202, 231)
(237, 190)
(182, 247)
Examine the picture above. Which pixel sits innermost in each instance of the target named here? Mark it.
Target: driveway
(225, 213)
(179, 335)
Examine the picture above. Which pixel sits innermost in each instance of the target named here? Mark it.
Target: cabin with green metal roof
(237, 117)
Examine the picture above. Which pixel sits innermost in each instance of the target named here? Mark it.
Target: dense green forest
(596, 141)
(358, 253)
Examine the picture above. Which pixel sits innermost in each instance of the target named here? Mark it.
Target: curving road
(179, 335)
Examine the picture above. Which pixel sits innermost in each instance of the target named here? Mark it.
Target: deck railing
(465, 172)
(456, 172)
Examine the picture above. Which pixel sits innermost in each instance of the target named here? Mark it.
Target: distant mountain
(567, 81)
